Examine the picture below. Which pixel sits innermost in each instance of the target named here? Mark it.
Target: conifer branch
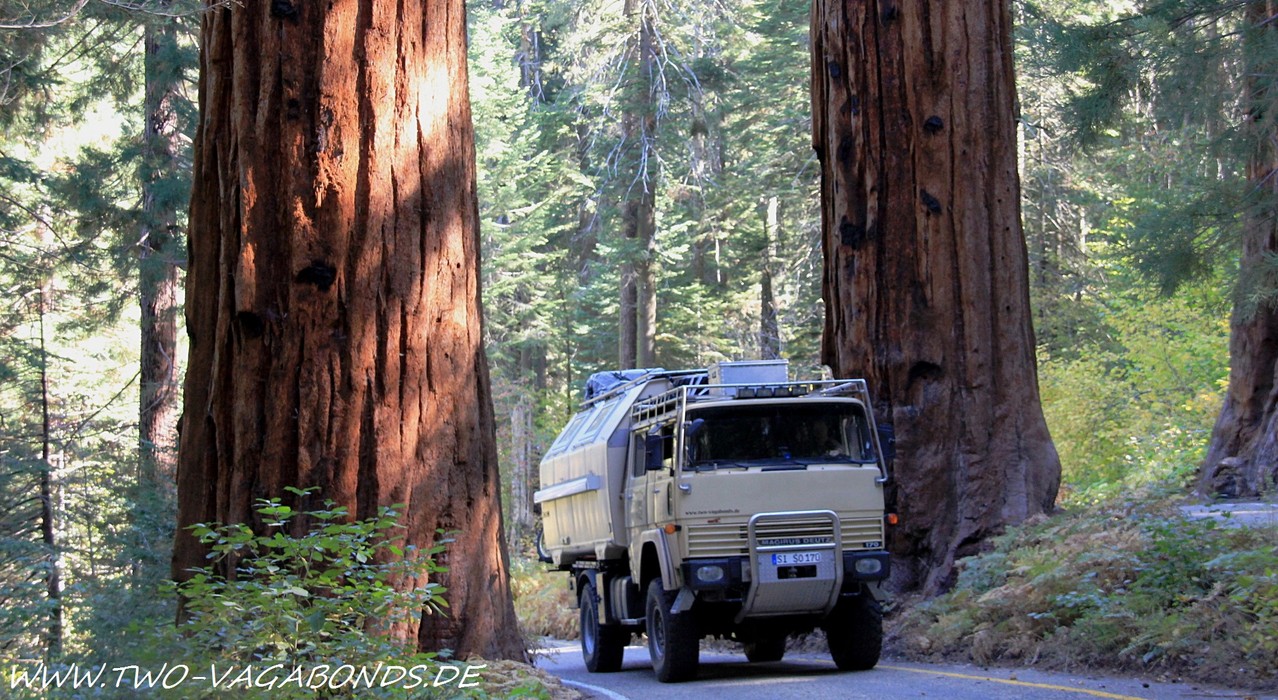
(33, 24)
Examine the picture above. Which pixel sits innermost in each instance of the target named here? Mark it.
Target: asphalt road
(725, 675)
(1235, 513)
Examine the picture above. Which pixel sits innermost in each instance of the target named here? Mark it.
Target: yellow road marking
(1045, 686)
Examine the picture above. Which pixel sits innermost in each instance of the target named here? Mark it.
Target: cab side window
(642, 441)
(638, 455)
(667, 446)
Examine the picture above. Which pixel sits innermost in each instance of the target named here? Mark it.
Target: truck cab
(728, 502)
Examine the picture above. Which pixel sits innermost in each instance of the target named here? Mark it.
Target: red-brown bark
(1242, 457)
(926, 275)
(333, 297)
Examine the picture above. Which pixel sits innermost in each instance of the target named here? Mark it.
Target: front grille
(857, 532)
(729, 538)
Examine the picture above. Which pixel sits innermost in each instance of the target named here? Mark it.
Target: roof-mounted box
(754, 372)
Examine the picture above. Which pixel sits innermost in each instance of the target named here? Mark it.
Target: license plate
(795, 558)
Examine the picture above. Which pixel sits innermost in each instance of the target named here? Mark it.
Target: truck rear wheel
(602, 646)
(673, 643)
(854, 631)
(764, 649)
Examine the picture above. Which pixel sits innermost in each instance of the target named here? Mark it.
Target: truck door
(647, 496)
(637, 509)
(660, 480)
(659, 484)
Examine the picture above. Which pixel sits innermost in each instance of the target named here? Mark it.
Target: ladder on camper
(658, 409)
(666, 406)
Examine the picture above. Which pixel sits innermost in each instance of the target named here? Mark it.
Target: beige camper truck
(729, 502)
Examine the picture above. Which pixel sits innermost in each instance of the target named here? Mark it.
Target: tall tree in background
(334, 307)
(769, 330)
(69, 229)
(1242, 457)
(638, 167)
(55, 630)
(164, 184)
(1183, 96)
(926, 280)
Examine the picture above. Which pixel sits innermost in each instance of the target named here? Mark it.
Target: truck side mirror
(690, 432)
(887, 441)
(653, 448)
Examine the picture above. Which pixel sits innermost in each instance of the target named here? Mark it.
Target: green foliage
(1122, 585)
(319, 588)
(333, 592)
(1136, 411)
(730, 129)
(313, 590)
(71, 178)
(1153, 92)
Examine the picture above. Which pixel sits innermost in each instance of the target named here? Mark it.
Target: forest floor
(1160, 588)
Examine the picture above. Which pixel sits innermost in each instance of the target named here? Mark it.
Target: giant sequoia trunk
(1242, 457)
(333, 291)
(925, 283)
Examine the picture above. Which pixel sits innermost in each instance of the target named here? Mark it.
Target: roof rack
(643, 379)
(667, 405)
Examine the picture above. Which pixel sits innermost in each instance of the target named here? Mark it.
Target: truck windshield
(742, 435)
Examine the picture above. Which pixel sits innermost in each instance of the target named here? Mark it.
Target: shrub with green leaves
(329, 593)
(311, 592)
(1136, 414)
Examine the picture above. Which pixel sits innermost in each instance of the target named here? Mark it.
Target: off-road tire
(765, 649)
(543, 554)
(602, 646)
(854, 631)
(673, 643)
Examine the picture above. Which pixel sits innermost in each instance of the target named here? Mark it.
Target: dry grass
(505, 679)
(1131, 588)
(543, 603)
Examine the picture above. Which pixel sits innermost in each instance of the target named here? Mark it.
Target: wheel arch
(656, 561)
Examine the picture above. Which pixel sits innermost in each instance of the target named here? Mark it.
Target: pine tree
(1161, 89)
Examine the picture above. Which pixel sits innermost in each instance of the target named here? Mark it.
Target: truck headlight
(710, 574)
(868, 567)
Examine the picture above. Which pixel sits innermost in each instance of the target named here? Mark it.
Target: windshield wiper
(789, 464)
(713, 464)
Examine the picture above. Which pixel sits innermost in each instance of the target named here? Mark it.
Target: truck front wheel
(673, 643)
(602, 646)
(854, 631)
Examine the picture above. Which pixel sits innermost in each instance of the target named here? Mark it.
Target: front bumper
(731, 573)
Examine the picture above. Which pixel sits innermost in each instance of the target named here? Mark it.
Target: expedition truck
(728, 502)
